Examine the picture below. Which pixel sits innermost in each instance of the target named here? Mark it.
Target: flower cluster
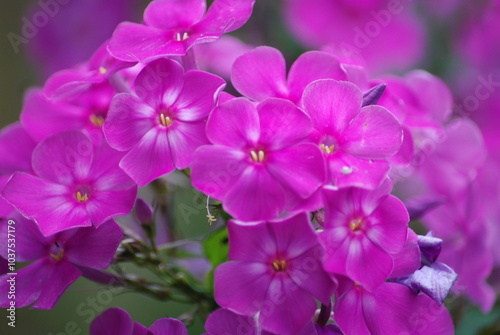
(315, 177)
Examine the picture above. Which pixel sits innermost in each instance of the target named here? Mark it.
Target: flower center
(327, 149)
(279, 265)
(257, 155)
(181, 37)
(102, 70)
(57, 252)
(82, 194)
(165, 120)
(357, 224)
(96, 120)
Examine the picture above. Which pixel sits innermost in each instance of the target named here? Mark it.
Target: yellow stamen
(183, 37)
(258, 156)
(97, 121)
(166, 121)
(327, 149)
(279, 265)
(82, 197)
(59, 256)
(102, 70)
(356, 224)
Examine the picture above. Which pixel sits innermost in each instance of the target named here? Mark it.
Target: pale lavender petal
(373, 133)
(242, 286)
(331, 104)
(300, 168)
(113, 321)
(132, 42)
(260, 74)
(60, 277)
(128, 120)
(282, 124)
(276, 316)
(53, 207)
(184, 138)
(419, 206)
(255, 196)
(224, 16)
(251, 243)
(16, 147)
(168, 14)
(198, 95)
(150, 159)
(234, 123)
(159, 83)
(311, 66)
(372, 96)
(430, 248)
(168, 326)
(63, 158)
(215, 169)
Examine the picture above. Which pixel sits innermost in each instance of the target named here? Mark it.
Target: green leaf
(475, 321)
(216, 249)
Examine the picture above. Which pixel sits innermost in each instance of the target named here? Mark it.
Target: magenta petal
(104, 205)
(307, 271)
(168, 326)
(168, 14)
(42, 117)
(63, 158)
(30, 243)
(331, 104)
(198, 95)
(300, 168)
(133, 42)
(114, 321)
(346, 171)
(276, 315)
(255, 196)
(160, 83)
(282, 124)
(364, 257)
(407, 260)
(234, 123)
(373, 133)
(311, 66)
(242, 286)
(224, 16)
(223, 321)
(216, 168)
(285, 233)
(93, 247)
(16, 147)
(150, 159)
(184, 138)
(29, 282)
(388, 225)
(49, 205)
(62, 275)
(128, 119)
(349, 313)
(260, 74)
(250, 242)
